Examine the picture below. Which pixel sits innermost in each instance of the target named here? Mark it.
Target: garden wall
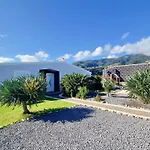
(126, 70)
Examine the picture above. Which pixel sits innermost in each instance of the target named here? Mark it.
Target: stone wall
(126, 70)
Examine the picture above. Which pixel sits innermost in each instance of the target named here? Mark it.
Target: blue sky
(44, 30)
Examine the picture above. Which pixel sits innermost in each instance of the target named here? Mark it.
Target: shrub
(95, 83)
(83, 91)
(138, 86)
(72, 82)
(78, 95)
(22, 91)
(97, 98)
(108, 84)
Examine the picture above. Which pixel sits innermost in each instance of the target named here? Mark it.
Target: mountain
(123, 60)
(96, 66)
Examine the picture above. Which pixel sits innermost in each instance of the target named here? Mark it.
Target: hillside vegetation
(101, 63)
(123, 60)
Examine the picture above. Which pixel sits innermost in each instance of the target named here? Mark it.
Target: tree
(108, 85)
(72, 82)
(138, 86)
(22, 91)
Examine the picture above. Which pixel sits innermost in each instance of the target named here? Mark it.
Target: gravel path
(79, 128)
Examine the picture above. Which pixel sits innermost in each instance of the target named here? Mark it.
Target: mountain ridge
(123, 60)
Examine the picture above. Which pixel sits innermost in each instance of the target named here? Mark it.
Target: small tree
(72, 82)
(108, 85)
(22, 91)
(138, 86)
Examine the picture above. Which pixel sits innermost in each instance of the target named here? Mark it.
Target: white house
(53, 71)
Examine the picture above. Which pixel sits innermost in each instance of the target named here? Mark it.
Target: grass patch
(8, 115)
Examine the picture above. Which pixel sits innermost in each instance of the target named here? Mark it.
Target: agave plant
(22, 91)
(138, 86)
(108, 84)
(72, 82)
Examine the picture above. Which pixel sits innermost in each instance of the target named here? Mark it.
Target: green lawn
(8, 115)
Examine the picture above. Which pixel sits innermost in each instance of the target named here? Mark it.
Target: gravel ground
(78, 128)
(117, 99)
(123, 99)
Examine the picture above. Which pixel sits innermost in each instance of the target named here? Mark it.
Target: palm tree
(108, 84)
(22, 91)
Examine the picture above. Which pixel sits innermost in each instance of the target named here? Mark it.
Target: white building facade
(54, 71)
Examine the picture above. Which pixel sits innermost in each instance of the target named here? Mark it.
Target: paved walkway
(122, 92)
(139, 113)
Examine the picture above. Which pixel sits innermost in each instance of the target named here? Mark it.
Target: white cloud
(97, 52)
(27, 58)
(116, 50)
(125, 35)
(142, 46)
(42, 54)
(6, 59)
(3, 35)
(65, 57)
(82, 55)
(112, 56)
(39, 56)
(107, 47)
(86, 54)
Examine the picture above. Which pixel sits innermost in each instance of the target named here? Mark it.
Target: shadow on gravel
(70, 115)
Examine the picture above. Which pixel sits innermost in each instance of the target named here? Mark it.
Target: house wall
(9, 70)
(127, 70)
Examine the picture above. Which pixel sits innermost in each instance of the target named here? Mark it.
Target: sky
(49, 30)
